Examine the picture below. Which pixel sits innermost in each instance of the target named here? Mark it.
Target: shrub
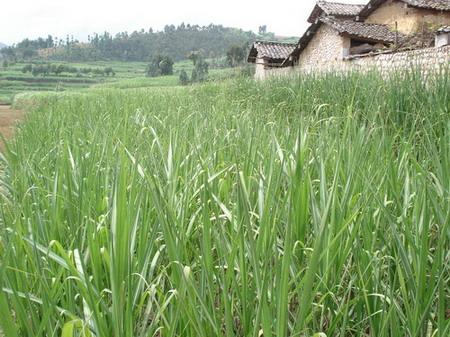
(160, 66)
(183, 78)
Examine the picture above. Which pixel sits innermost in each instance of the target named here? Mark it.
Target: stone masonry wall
(428, 59)
(326, 45)
(325, 48)
(260, 68)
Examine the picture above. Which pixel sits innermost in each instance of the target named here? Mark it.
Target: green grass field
(305, 207)
(128, 75)
(13, 81)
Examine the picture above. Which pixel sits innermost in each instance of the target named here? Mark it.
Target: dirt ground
(8, 119)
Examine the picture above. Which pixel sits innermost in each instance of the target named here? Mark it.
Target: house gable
(335, 9)
(406, 18)
(344, 38)
(326, 46)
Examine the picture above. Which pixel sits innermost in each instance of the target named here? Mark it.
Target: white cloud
(33, 18)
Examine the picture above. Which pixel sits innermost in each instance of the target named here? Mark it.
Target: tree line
(175, 42)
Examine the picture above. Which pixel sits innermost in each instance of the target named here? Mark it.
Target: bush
(26, 69)
(58, 69)
(183, 78)
(247, 71)
(109, 71)
(160, 66)
(236, 55)
(201, 67)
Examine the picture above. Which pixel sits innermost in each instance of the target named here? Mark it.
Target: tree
(49, 42)
(9, 53)
(201, 67)
(152, 70)
(184, 78)
(28, 53)
(59, 69)
(141, 45)
(166, 66)
(27, 68)
(262, 30)
(235, 55)
(160, 66)
(109, 71)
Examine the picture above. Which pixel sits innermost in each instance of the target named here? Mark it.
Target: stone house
(340, 33)
(330, 40)
(266, 55)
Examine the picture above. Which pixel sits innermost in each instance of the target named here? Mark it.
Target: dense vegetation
(58, 69)
(175, 42)
(284, 208)
(160, 66)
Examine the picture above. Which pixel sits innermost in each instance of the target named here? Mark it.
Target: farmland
(303, 207)
(127, 74)
(8, 119)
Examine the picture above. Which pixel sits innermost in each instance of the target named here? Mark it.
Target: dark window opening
(358, 47)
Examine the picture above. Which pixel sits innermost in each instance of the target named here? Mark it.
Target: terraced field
(127, 75)
(14, 81)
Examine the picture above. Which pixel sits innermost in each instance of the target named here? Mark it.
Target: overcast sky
(33, 18)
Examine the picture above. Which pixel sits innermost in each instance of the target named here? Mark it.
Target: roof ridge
(274, 42)
(439, 5)
(339, 3)
(374, 32)
(331, 17)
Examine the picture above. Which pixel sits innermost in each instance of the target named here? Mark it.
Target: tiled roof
(334, 9)
(366, 31)
(363, 31)
(440, 5)
(444, 30)
(270, 50)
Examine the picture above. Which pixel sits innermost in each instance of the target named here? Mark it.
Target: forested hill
(2, 45)
(174, 41)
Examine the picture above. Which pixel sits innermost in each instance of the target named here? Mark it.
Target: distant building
(267, 55)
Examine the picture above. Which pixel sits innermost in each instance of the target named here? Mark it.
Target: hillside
(174, 41)
(2, 45)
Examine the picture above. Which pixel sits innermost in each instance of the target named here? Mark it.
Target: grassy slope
(241, 208)
(13, 81)
(128, 74)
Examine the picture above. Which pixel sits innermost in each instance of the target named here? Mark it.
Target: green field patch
(50, 80)
(311, 206)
